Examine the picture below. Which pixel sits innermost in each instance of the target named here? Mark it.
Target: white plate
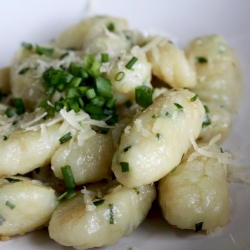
(39, 21)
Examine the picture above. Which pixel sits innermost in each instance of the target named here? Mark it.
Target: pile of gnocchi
(101, 121)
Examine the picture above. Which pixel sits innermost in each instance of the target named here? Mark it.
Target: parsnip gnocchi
(85, 108)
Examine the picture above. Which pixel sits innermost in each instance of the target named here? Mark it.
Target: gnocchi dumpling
(25, 205)
(195, 195)
(218, 71)
(114, 216)
(124, 80)
(154, 143)
(170, 64)
(89, 163)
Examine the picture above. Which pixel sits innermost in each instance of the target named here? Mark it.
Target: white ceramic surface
(39, 21)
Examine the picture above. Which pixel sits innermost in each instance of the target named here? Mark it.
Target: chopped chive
(99, 202)
(15, 122)
(50, 90)
(111, 103)
(201, 59)
(64, 55)
(103, 87)
(167, 114)
(27, 46)
(18, 103)
(10, 112)
(105, 57)
(75, 82)
(70, 193)
(119, 76)
(61, 197)
(136, 190)
(92, 65)
(5, 138)
(111, 27)
(68, 177)
(206, 121)
(23, 71)
(9, 179)
(221, 150)
(198, 226)
(65, 138)
(98, 101)
(90, 93)
(94, 110)
(111, 214)
(178, 105)
(2, 219)
(173, 170)
(128, 104)
(158, 136)
(58, 106)
(10, 205)
(143, 96)
(124, 166)
(127, 148)
(71, 93)
(130, 64)
(155, 115)
(37, 170)
(194, 98)
(206, 109)
(44, 51)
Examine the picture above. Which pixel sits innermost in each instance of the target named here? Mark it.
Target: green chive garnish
(130, 64)
(10, 112)
(173, 170)
(65, 138)
(111, 214)
(136, 190)
(111, 27)
(143, 96)
(2, 219)
(178, 105)
(158, 136)
(99, 202)
(18, 103)
(124, 166)
(127, 148)
(119, 76)
(27, 46)
(68, 177)
(105, 57)
(206, 121)
(128, 103)
(201, 59)
(206, 109)
(12, 179)
(194, 98)
(198, 226)
(23, 71)
(44, 51)
(155, 115)
(10, 205)
(5, 138)
(64, 55)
